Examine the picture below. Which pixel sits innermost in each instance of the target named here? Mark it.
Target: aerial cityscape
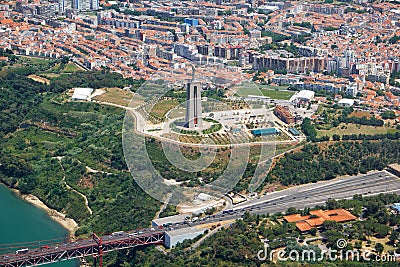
(199, 133)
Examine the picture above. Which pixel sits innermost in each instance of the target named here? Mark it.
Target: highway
(317, 193)
(311, 195)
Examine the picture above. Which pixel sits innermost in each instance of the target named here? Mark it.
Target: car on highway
(22, 251)
(227, 211)
(120, 233)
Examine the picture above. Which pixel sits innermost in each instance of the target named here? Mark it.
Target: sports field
(274, 92)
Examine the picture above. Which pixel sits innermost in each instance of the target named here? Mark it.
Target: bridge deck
(83, 248)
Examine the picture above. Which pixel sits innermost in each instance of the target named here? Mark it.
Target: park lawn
(355, 129)
(34, 60)
(25, 61)
(61, 69)
(246, 89)
(70, 68)
(161, 108)
(55, 69)
(274, 94)
(115, 96)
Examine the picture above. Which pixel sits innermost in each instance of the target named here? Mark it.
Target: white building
(79, 5)
(178, 236)
(352, 89)
(81, 93)
(345, 102)
(302, 96)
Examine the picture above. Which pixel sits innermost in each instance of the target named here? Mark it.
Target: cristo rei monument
(193, 106)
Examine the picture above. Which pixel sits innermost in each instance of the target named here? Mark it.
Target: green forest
(316, 162)
(44, 141)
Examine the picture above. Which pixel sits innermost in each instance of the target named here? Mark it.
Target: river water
(22, 222)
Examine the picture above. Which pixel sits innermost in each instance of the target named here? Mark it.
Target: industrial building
(175, 236)
(284, 115)
(265, 132)
(294, 131)
(178, 236)
(81, 93)
(302, 97)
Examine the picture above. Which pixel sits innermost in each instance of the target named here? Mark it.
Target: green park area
(336, 121)
(114, 95)
(350, 128)
(26, 60)
(274, 92)
(277, 94)
(161, 108)
(60, 69)
(70, 68)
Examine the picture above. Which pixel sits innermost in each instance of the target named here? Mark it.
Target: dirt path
(163, 207)
(210, 233)
(70, 188)
(96, 171)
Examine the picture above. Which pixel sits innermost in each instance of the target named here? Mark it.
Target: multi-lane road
(311, 195)
(317, 193)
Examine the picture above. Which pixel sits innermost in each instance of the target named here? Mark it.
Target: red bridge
(95, 247)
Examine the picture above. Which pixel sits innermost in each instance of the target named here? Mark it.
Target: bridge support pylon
(99, 242)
